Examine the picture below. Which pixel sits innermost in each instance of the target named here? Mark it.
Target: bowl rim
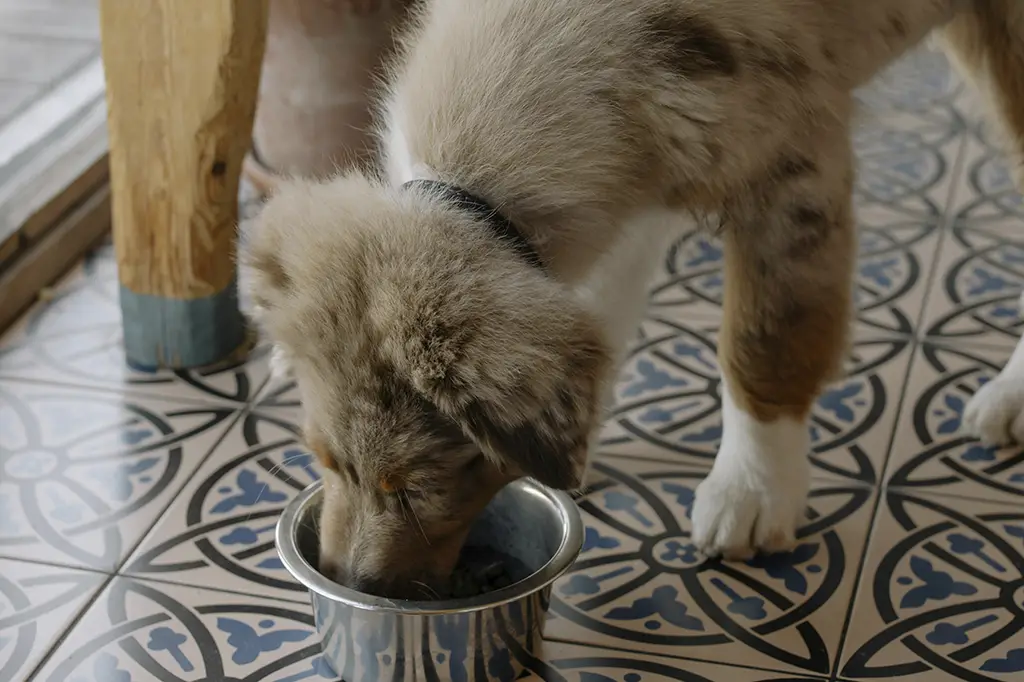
(568, 550)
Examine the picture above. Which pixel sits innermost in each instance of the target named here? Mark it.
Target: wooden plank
(82, 185)
(9, 248)
(61, 200)
(77, 22)
(15, 96)
(28, 59)
(22, 136)
(53, 255)
(182, 78)
(56, 172)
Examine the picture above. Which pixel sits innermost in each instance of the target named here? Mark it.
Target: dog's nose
(375, 586)
(367, 585)
(391, 589)
(331, 571)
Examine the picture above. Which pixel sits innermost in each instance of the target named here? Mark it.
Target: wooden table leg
(182, 78)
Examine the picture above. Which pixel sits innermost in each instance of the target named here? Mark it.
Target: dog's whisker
(272, 471)
(403, 498)
(284, 462)
(427, 590)
(263, 489)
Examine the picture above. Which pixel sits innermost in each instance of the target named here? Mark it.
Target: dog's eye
(391, 485)
(414, 493)
(323, 454)
(475, 462)
(393, 488)
(329, 463)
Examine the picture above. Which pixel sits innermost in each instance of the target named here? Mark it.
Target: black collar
(501, 226)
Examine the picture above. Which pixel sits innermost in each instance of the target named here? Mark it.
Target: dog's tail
(986, 41)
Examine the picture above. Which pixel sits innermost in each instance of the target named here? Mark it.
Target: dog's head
(434, 366)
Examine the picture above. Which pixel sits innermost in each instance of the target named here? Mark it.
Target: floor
(41, 43)
(51, 105)
(136, 536)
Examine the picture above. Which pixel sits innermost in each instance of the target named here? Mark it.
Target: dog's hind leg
(986, 42)
(789, 262)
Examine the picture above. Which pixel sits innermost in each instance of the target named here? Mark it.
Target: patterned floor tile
(908, 140)
(142, 630)
(922, 84)
(74, 337)
(930, 451)
(84, 473)
(220, 529)
(907, 163)
(562, 662)
(988, 191)
(943, 596)
(157, 631)
(897, 254)
(978, 284)
(981, 272)
(668, 405)
(897, 249)
(633, 542)
(281, 394)
(975, 298)
(641, 585)
(219, 532)
(37, 604)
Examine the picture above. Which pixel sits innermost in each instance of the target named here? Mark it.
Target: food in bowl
(482, 570)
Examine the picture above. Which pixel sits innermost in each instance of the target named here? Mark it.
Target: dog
(995, 414)
(455, 319)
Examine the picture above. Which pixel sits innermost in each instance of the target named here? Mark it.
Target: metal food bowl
(480, 639)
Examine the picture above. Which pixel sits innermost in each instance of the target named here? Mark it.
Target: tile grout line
(194, 586)
(956, 172)
(957, 497)
(72, 624)
(54, 564)
(56, 82)
(880, 494)
(131, 391)
(240, 414)
(250, 406)
(92, 601)
(693, 659)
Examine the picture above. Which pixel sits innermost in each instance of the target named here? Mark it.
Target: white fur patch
(756, 494)
(400, 164)
(280, 365)
(618, 286)
(617, 291)
(996, 412)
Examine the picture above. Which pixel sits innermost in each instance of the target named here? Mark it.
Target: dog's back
(611, 102)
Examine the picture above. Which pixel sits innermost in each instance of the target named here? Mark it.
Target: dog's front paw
(738, 516)
(996, 412)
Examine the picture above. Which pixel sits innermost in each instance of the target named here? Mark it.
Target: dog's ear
(541, 426)
(265, 287)
(521, 371)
